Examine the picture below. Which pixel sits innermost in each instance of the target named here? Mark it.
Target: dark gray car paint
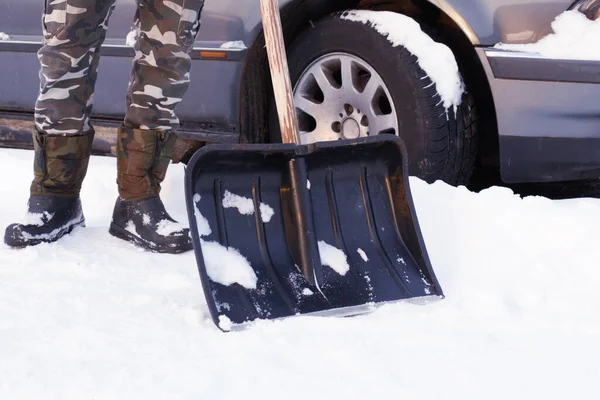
(536, 116)
(525, 108)
(505, 65)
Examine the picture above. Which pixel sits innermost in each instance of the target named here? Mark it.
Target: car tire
(441, 144)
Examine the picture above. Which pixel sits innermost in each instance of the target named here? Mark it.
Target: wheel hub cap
(350, 129)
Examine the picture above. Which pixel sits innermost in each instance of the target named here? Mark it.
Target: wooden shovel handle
(282, 86)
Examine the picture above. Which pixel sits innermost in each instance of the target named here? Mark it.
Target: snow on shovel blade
(282, 230)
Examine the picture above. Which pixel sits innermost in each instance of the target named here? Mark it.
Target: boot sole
(123, 234)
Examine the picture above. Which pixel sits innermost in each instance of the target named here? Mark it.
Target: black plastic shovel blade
(282, 230)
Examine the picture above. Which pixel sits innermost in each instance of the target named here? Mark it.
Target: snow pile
(227, 266)
(436, 59)
(575, 37)
(96, 317)
(4, 36)
(333, 257)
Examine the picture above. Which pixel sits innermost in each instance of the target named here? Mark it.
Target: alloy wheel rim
(340, 96)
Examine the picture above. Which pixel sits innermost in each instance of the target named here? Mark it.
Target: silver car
(530, 117)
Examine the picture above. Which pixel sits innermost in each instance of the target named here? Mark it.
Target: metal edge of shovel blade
(341, 312)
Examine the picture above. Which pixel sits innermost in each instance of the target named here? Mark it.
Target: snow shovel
(286, 229)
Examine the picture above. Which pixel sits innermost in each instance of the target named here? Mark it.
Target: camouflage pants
(74, 30)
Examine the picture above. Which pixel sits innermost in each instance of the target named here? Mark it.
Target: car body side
(546, 125)
(548, 120)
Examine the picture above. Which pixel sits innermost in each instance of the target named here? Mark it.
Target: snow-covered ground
(92, 317)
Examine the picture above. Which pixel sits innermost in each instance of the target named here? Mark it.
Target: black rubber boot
(143, 157)
(49, 218)
(147, 224)
(54, 208)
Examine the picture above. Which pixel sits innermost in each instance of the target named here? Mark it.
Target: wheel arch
(457, 34)
(297, 15)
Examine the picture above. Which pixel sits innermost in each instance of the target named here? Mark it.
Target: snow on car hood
(575, 37)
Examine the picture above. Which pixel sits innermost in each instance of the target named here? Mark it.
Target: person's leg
(159, 80)
(161, 70)
(73, 33)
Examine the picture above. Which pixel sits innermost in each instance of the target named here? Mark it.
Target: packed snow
(362, 254)
(236, 45)
(4, 36)
(94, 317)
(167, 228)
(245, 206)
(130, 227)
(266, 212)
(225, 265)
(574, 37)
(225, 323)
(333, 258)
(202, 223)
(131, 39)
(436, 59)
(37, 219)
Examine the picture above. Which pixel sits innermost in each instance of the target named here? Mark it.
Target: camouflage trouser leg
(161, 70)
(73, 33)
(74, 30)
(160, 77)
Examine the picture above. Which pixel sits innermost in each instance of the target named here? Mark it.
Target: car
(528, 116)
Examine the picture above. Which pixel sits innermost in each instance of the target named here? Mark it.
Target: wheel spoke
(307, 106)
(322, 80)
(371, 88)
(380, 123)
(347, 75)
